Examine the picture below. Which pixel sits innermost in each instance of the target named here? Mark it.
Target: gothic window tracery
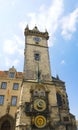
(39, 92)
(59, 99)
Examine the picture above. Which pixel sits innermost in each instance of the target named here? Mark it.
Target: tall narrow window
(37, 56)
(14, 100)
(15, 86)
(1, 99)
(3, 85)
(59, 99)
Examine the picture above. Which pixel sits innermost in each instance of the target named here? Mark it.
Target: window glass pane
(11, 74)
(42, 93)
(36, 93)
(37, 56)
(1, 99)
(14, 100)
(59, 99)
(3, 85)
(66, 118)
(15, 86)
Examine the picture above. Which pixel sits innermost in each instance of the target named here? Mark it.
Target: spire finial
(57, 77)
(27, 27)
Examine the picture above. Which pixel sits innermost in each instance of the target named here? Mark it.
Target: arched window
(42, 93)
(59, 99)
(37, 56)
(6, 125)
(36, 93)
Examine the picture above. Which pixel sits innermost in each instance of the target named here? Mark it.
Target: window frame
(37, 56)
(2, 99)
(11, 74)
(15, 86)
(13, 100)
(3, 86)
(59, 99)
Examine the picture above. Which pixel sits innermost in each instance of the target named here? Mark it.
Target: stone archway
(6, 125)
(7, 122)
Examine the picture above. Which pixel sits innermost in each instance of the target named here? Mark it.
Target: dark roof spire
(35, 29)
(57, 77)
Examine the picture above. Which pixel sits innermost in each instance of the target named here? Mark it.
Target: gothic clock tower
(36, 62)
(43, 103)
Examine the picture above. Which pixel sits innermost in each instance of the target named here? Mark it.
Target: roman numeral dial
(39, 105)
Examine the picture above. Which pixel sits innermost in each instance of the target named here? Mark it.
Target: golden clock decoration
(40, 121)
(39, 105)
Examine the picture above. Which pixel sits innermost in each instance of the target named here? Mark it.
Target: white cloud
(62, 62)
(69, 24)
(52, 18)
(13, 2)
(18, 40)
(22, 25)
(46, 17)
(16, 62)
(11, 46)
(9, 62)
(14, 51)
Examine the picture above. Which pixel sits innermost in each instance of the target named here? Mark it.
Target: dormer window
(12, 74)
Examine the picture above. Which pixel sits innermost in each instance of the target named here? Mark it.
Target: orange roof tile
(5, 74)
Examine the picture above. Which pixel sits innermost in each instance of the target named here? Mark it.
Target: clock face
(36, 39)
(39, 105)
(40, 121)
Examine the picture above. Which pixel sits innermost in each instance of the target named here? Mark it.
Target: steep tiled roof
(5, 74)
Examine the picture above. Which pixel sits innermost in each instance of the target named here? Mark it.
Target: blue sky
(60, 18)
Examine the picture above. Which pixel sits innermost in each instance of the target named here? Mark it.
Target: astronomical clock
(38, 107)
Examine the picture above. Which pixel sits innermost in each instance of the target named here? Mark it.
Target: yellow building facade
(10, 87)
(34, 99)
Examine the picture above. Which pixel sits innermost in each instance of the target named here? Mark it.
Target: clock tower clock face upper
(36, 56)
(39, 105)
(37, 39)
